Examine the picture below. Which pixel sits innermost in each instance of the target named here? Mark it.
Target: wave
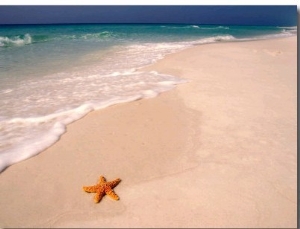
(230, 38)
(105, 34)
(288, 27)
(215, 39)
(289, 30)
(26, 39)
(223, 38)
(16, 40)
(223, 27)
(94, 36)
(215, 27)
(166, 48)
(201, 27)
(193, 26)
(282, 34)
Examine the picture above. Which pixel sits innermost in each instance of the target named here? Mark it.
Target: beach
(217, 151)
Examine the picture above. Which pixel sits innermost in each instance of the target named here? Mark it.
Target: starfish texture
(103, 187)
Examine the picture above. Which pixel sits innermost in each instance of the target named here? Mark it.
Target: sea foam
(24, 137)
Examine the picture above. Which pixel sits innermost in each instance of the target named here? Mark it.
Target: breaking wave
(26, 39)
(16, 40)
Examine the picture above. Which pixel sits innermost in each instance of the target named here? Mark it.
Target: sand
(218, 151)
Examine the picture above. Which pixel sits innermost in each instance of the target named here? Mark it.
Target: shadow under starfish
(103, 188)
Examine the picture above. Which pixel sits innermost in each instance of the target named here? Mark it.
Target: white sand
(219, 151)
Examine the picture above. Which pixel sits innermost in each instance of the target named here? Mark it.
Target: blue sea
(52, 75)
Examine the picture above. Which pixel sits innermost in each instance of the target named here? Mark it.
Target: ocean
(52, 75)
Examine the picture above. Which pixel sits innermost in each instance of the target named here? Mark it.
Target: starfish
(103, 188)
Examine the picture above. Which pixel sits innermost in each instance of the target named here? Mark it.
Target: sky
(279, 15)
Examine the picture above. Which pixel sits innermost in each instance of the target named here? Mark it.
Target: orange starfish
(103, 188)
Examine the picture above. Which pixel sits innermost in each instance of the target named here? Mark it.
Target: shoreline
(204, 158)
(31, 152)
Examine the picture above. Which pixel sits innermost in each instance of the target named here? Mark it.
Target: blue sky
(191, 14)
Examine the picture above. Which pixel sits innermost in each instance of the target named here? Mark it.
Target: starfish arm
(114, 183)
(102, 180)
(90, 188)
(98, 196)
(111, 193)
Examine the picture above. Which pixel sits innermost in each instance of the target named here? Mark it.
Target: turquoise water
(24, 48)
(51, 75)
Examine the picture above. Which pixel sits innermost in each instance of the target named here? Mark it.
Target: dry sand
(219, 151)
